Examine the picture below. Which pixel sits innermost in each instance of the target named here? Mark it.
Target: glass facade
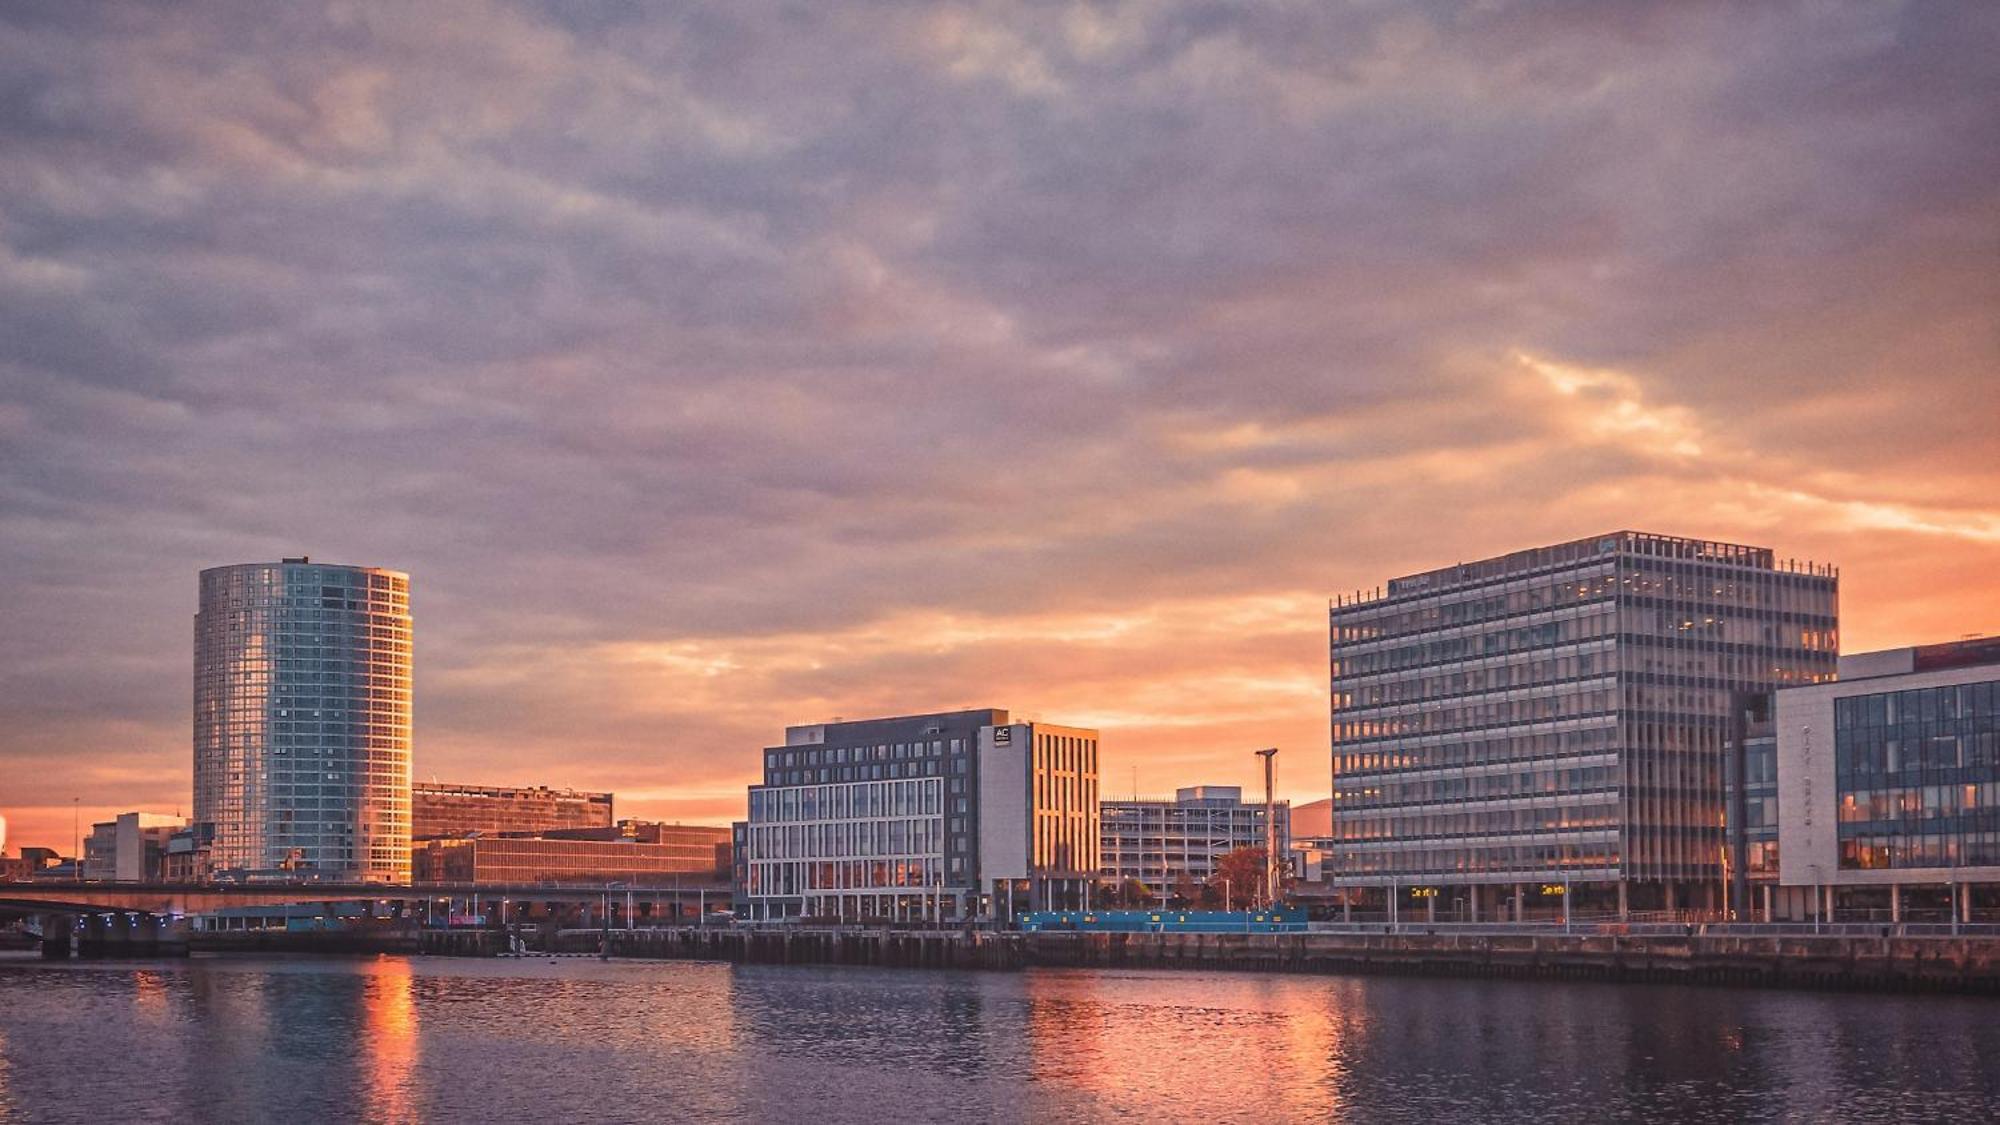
(1917, 773)
(1750, 798)
(302, 719)
(866, 836)
(1559, 711)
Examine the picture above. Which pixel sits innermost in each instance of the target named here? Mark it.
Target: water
(436, 1039)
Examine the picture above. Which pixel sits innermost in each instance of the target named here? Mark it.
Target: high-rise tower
(302, 719)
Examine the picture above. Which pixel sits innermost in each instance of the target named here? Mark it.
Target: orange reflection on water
(1138, 1041)
(150, 997)
(389, 1048)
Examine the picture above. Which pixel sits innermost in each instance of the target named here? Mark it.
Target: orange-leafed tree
(1244, 871)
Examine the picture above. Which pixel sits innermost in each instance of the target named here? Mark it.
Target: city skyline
(952, 359)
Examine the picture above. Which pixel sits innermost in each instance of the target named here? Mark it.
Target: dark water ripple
(408, 1040)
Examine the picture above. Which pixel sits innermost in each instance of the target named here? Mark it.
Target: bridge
(168, 899)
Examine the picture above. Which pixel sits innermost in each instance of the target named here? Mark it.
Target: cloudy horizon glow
(721, 370)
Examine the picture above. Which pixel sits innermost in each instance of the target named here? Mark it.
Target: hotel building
(302, 719)
(942, 816)
(1158, 843)
(1552, 721)
(1888, 787)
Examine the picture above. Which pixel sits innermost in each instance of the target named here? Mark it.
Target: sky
(714, 368)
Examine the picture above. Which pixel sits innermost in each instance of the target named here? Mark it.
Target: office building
(942, 816)
(1553, 721)
(1889, 787)
(131, 848)
(302, 720)
(631, 853)
(1162, 843)
(441, 810)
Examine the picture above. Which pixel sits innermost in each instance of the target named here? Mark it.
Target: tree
(1244, 870)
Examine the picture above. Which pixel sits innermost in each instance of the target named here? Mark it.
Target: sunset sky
(716, 370)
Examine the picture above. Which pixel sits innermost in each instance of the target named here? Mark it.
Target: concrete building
(1552, 722)
(633, 853)
(949, 815)
(302, 719)
(190, 855)
(441, 810)
(1161, 843)
(1888, 788)
(130, 848)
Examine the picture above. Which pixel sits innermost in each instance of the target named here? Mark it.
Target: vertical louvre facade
(302, 719)
(1560, 712)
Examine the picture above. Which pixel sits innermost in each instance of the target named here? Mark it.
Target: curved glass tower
(302, 719)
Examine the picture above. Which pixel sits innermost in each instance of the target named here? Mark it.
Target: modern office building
(1161, 843)
(632, 853)
(1750, 804)
(1889, 787)
(441, 810)
(1552, 721)
(950, 815)
(131, 848)
(302, 720)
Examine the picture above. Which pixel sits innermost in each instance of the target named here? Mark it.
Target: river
(437, 1039)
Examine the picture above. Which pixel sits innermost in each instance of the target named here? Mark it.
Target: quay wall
(1912, 964)
(1904, 964)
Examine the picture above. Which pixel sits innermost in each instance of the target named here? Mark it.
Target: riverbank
(1969, 965)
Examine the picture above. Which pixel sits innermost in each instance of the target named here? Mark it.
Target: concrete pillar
(1963, 902)
(1472, 900)
(1895, 902)
(1828, 910)
(1624, 905)
(1672, 903)
(1767, 903)
(1520, 903)
(1431, 909)
(1347, 906)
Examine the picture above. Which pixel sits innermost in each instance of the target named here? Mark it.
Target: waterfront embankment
(1776, 960)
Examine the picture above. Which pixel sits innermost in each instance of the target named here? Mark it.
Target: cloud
(717, 371)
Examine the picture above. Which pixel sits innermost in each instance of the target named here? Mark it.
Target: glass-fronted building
(302, 720)
(1750, 803)
(1889, 786)
(1552, 722)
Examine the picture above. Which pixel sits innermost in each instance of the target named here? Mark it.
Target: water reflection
(441, 1039)
(389, 1041)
